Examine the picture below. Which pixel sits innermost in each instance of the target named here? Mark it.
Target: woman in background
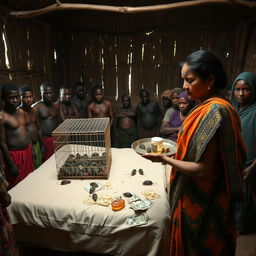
(244, 100)
(171, 128)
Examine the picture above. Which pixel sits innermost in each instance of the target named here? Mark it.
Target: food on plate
(142, 146)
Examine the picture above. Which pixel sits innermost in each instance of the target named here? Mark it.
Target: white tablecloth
(54, 216)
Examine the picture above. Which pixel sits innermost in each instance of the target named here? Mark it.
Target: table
(47, 214)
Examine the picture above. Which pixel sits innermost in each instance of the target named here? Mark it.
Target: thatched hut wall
(27, 53)
(123, 60)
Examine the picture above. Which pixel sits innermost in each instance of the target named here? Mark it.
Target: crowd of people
(215, 163)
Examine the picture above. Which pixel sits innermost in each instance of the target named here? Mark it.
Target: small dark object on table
(94, 197)
(133, 172)
(65, 182)
(92, 189)
(141, 172)
(127, 194)
(94, 184)
(147, 182)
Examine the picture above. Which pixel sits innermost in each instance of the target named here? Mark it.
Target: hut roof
(126, 16)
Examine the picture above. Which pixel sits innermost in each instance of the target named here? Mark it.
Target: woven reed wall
(151, 60)
(122, 63)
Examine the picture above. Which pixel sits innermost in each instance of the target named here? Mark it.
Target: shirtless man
(100, 107)
(148, 116)
(33, 124)
(49, 117)
(125, 123)
(68, 109)
(15, 141)
(81, 99)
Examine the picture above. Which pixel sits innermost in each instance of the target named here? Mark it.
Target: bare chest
(48, 112)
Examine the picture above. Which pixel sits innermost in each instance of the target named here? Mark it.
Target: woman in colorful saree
(244, 100)
(206, 170)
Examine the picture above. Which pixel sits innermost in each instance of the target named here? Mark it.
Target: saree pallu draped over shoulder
(202, 210)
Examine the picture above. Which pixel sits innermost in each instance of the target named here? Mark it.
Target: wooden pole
(118, 9)
(244, 3)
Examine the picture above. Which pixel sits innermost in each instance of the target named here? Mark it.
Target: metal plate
(147, 142)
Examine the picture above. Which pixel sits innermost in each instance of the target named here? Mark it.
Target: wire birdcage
(83, 148)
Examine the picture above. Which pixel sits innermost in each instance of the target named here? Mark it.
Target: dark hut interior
(101, 42)
(124, 45)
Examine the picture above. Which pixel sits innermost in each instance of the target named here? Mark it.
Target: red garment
(48, 142)
(23, 159)
(7, 239)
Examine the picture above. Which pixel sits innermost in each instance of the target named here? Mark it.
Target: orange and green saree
(202, 210)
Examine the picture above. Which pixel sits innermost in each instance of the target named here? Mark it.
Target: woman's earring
(209, 88)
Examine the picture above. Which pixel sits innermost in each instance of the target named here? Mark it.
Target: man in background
(148, 116)
(49, 117)
(99, 106)
(14, 137)
(125, 126)
(67, 108)
(167, 101)
(33, 124)
(81, 99)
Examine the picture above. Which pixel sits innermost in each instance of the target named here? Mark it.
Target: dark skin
(243, 94)
(33, 124)
(14, 133)
(197, 90)
(125, 115)
(184, 109)
(148, 113)
(165, 127)
(175, 100)
(167, 103)
(48, 112)
(68, 109)
(100, 107)
(81, 100)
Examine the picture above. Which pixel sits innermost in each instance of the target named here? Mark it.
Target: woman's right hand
(154, 157)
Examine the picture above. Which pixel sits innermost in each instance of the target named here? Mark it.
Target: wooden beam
(118, 9)
(245, 3)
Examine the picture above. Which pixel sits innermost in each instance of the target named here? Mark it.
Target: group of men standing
(26, 127)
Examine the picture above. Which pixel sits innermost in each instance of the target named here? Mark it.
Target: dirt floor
(246, 246)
